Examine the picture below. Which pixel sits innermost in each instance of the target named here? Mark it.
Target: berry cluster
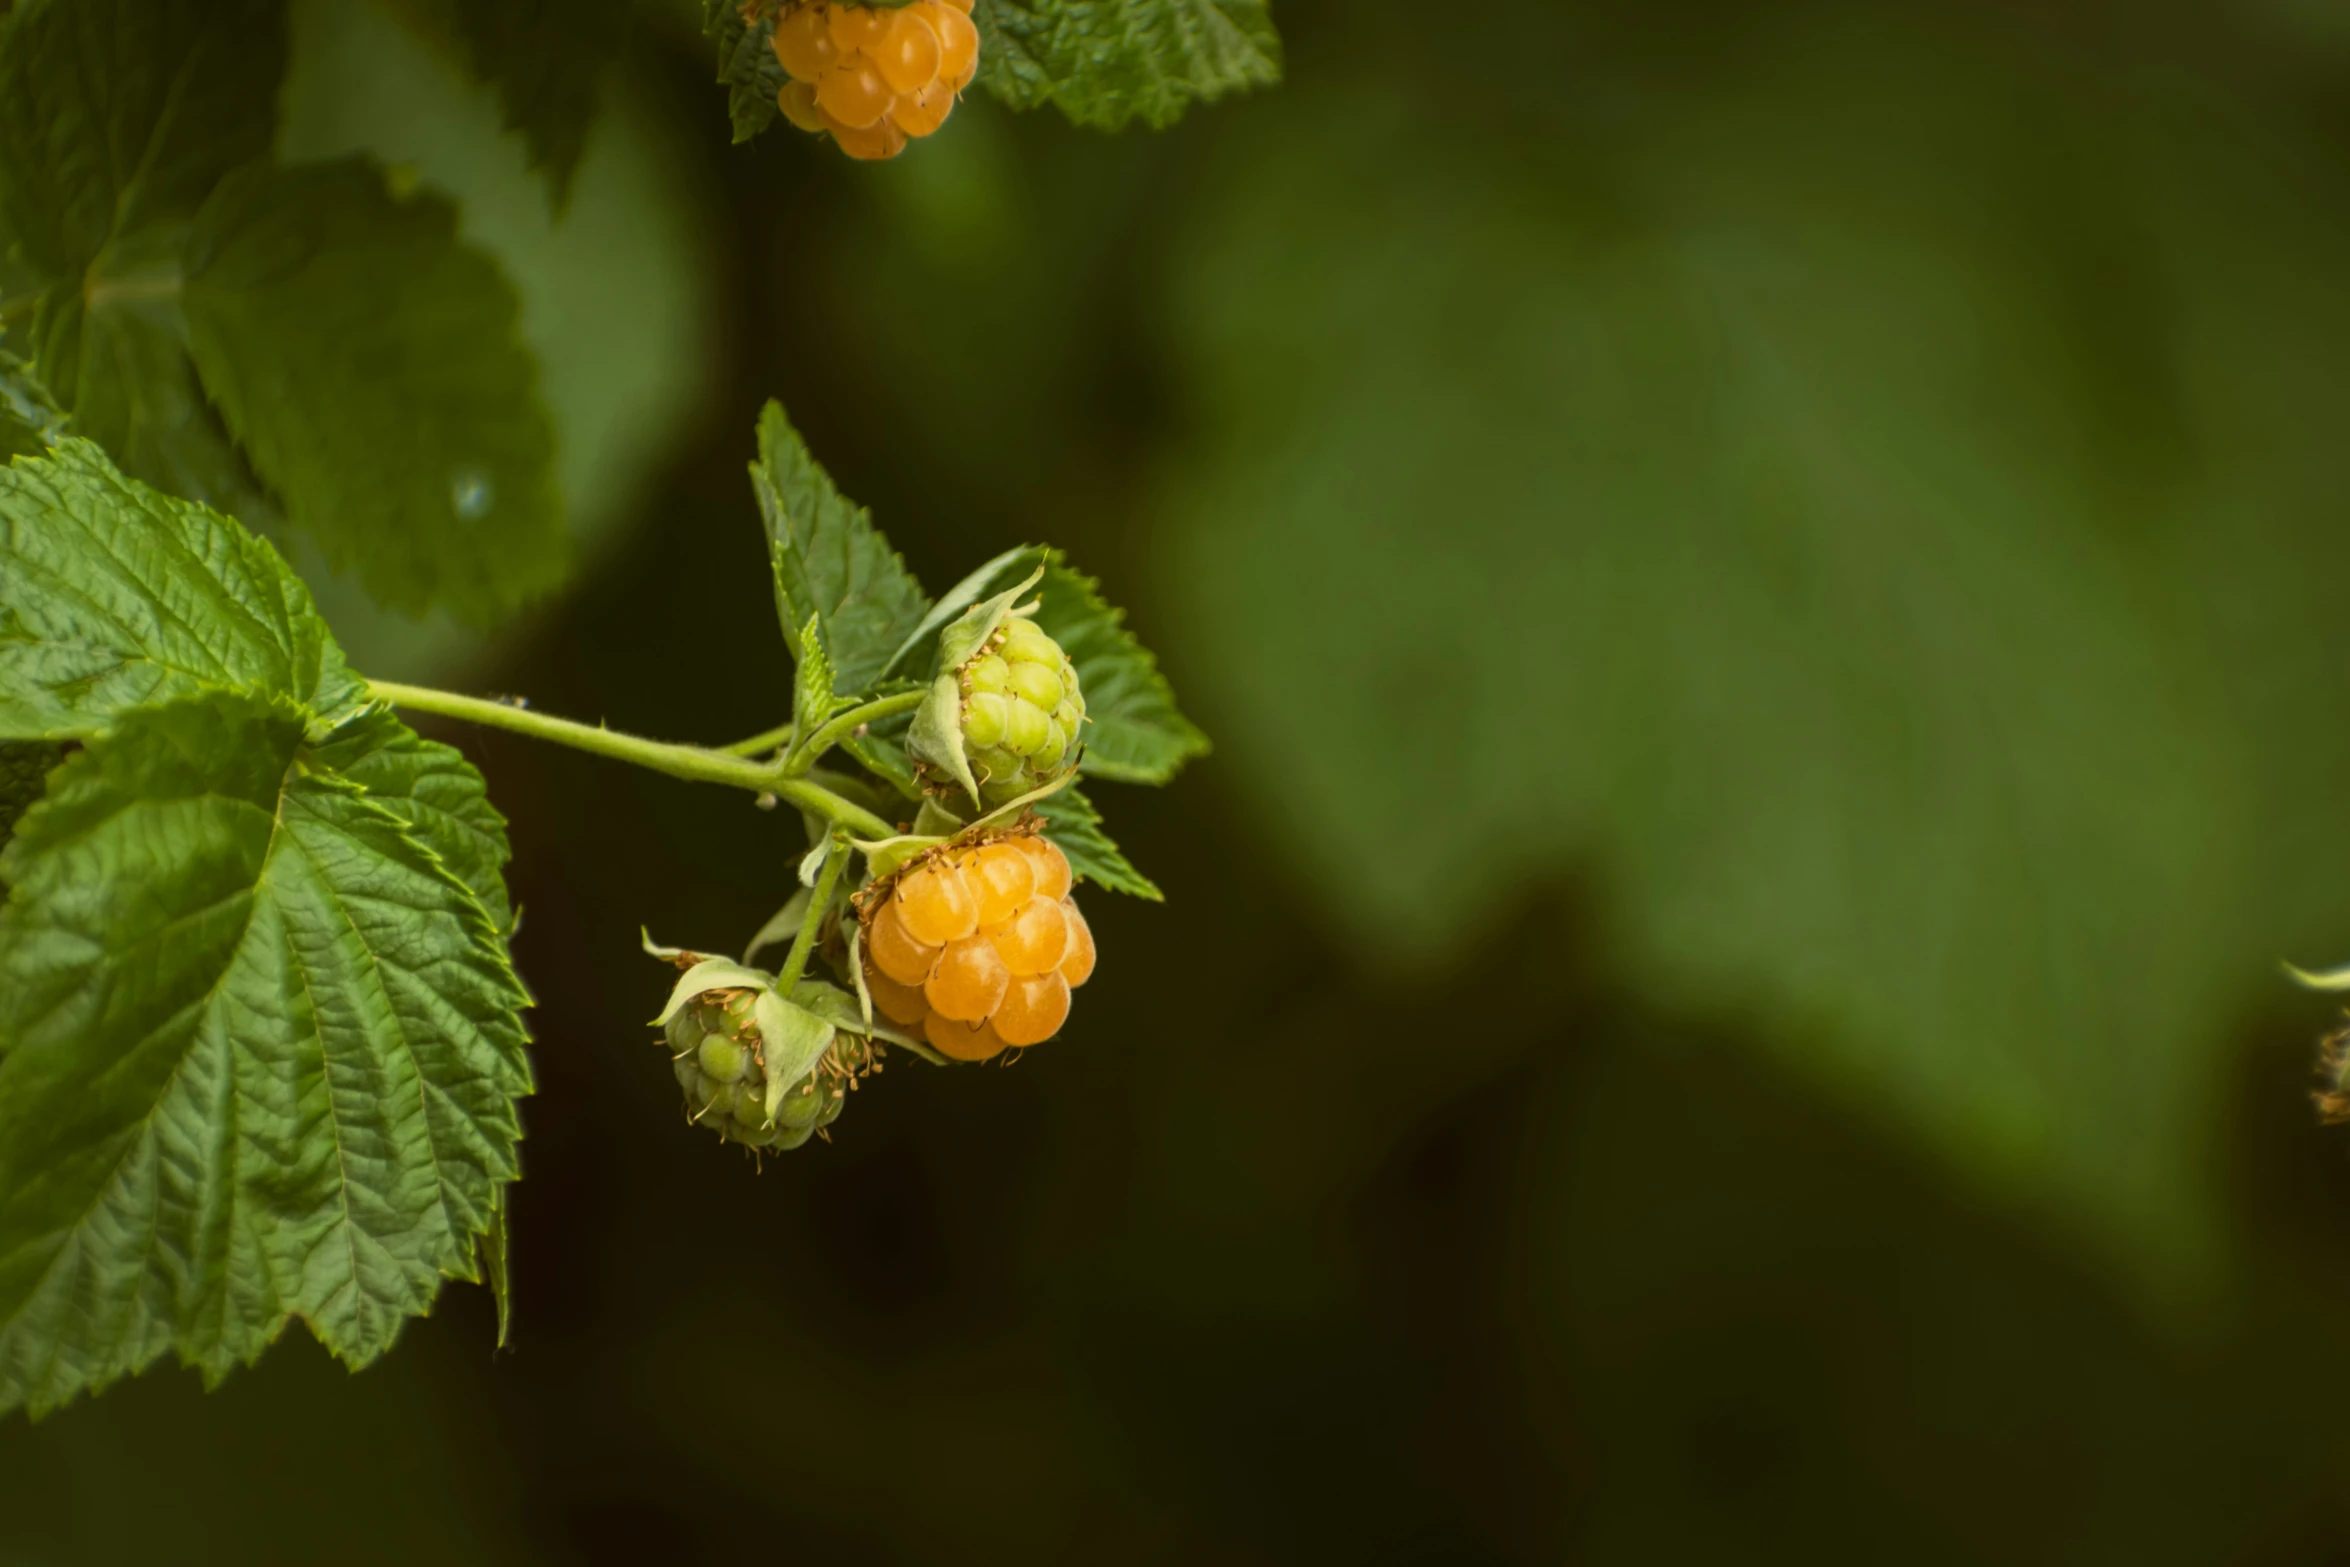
(716, 1044)
(1022, 710)
(980, 947)
(873, 76)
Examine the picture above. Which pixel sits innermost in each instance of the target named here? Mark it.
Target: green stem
(805, 756)
(805, 943)
(760, 744)
(695, 764)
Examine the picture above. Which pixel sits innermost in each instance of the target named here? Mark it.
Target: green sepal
(707, 975)
(936, 737)
(792, 1039)
(958, 598)
(2323, 979)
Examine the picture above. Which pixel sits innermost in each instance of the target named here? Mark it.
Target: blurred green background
(1768, 581)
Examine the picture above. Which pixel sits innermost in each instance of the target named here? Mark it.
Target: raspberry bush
(253, 920)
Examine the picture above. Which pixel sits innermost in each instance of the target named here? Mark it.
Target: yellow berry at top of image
(872, 76)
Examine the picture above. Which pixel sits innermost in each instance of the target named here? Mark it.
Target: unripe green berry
(1038, 684)
(689, 1072)
(984, 717)
(750, 1109)
(1026, 729)
(1026, 643)
(724, 1059)
(803, 1102)
(987, 675)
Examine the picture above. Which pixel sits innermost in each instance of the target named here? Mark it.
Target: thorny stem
(804, 756)
(805, 943)
(695, 764)
(761, 744)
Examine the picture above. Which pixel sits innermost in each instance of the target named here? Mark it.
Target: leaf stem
(804, 757)
(760, 744)
(693, 763)
(805, 943)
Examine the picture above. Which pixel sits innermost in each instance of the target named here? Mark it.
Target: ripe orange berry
(907, 53)
(918, 114)
(858, 26)
(969, 980)
(1052, 866)
(854, 94)
(1032, 1011)
(895, 951)
(936, 904)
(803, 42)
(963, 6)
(962, 1041)
(1001, 879)
(874, 143)
(798, 102)
(899, 1003)
(1033, 941)
(1077, 967)
(958, 46)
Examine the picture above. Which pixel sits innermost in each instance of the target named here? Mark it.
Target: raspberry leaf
(1071, 821)
(1106, 63)
(813, 698)
(437, 794)
(259, 1057)
(1133, 731)
(113, 596)
(747, 67)
(831, 565)
(323, 312)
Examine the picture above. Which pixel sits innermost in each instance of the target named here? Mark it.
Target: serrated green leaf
(814, 702)
(437, 794)
(830, 563)
(372, 366)
(1072, 822)
(117, 117)
(1133, 732)
(1106, 63)
(259, 1058)
(113, 596)
(492, 1254)
(881, 750)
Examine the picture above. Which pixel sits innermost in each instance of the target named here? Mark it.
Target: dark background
(1569, 1108)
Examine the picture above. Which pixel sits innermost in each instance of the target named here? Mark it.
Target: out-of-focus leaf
(1756, 522)
(116, 121)
(372, 366)
(1106, 63)
(259, 1058)
(546, 58)
(24, 771)
(29, 416)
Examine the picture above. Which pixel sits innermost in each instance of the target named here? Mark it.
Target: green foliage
(1786, 552)
(261, 1057)
(747, 67)
(134, 176)
(260, 1042)
(1107, 63)
(831, 564)
(24, 771)
(113, 597)
(326, 313)
(29, 417)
